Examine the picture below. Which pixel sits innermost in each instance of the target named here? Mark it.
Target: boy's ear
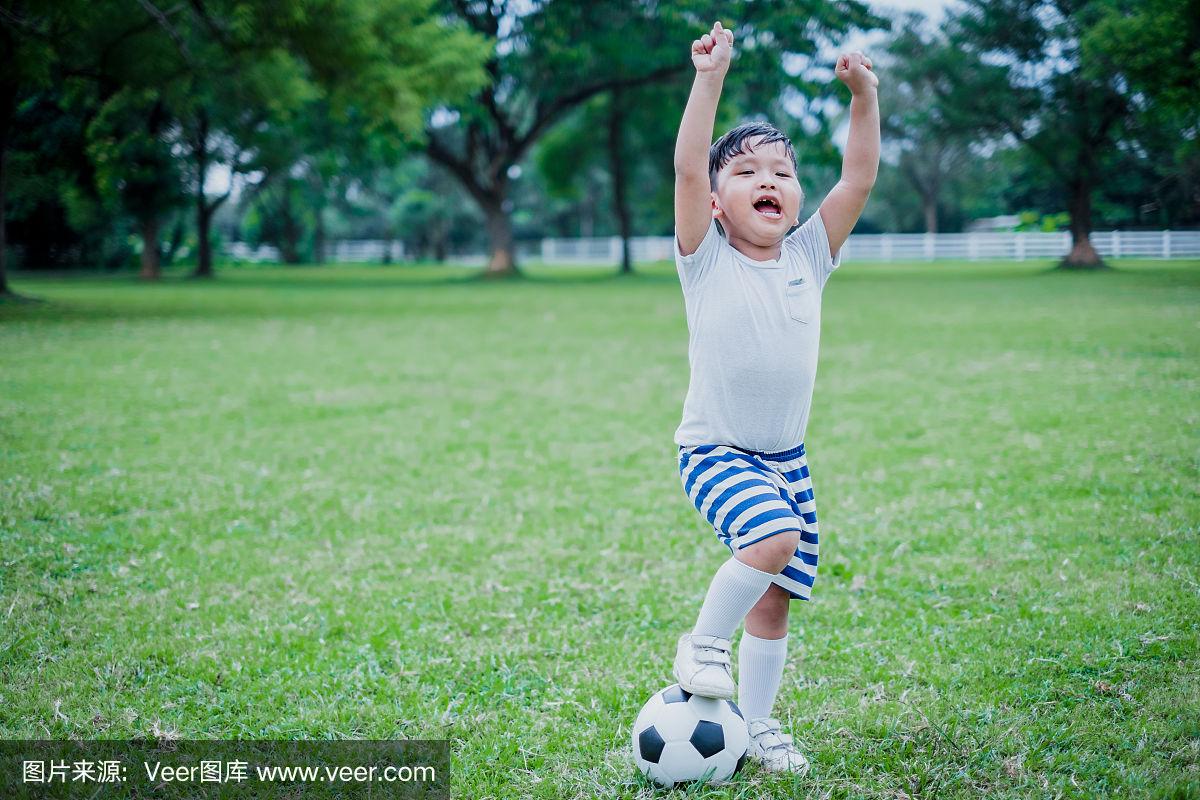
(717, 211)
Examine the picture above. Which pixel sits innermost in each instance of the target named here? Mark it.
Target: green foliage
(574, 162)
(1046, 77)
(131, 154)
(1045, 223)
(553, 57)
(976, 189)
(167, 93)
(389, 60)
(567, 154)
(415, 202)
(1155, 46)
(774, 75)
(108, 110)
(56, 215)
(932, 157)
(778, 72)
(1013, 68)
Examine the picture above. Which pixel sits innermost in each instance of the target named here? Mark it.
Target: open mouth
(768, 207)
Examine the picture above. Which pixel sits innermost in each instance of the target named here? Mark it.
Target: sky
(934, 9)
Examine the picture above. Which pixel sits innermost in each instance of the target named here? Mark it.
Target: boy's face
(758, 196)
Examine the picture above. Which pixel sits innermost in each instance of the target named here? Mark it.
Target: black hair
(733, 144)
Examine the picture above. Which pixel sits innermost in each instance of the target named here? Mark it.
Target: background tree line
(127, 126)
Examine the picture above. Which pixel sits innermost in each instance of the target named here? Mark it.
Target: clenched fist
(711, 52)
(854, 70)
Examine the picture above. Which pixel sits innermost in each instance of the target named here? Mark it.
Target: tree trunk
(289, 240)
(175, 241)
(616, 123)
(1082, 255)
(151, 263)
(439, 233)
(319, 236)
(290, 245)
(3, 220)
(502, 261)
(587, 216)
(204, 211)
(929, 204)
(439, 244)
(204, 268)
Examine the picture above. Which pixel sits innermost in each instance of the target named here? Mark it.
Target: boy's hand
(693, 192)
(844, 204)
(711, 52)
(854, 70)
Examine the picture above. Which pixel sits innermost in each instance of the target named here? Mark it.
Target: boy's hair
(733, 144)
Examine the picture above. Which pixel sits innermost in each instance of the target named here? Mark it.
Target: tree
(560, 54)
(609, 152)
(94, 67)
(135, 167)
(931, 151)
(27, 65)
(53, 211)
(253, 66)
(1153, 47)
(1014, 68)
(425, 208)
(215, 81)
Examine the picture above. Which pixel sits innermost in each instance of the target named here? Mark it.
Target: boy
(752, 292)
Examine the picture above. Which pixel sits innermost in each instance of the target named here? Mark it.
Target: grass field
(391, 502)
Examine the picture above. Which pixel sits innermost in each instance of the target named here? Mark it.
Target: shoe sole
(763, 764)
(704, 691)
(784, 771)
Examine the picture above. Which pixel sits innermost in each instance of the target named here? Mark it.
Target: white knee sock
(733, 592)
(760, 668)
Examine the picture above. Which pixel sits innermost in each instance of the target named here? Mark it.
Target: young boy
(752, 292)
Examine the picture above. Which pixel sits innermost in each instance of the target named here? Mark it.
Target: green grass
(390, 502)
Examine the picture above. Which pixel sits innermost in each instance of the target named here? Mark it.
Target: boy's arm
(693, 201)
(860, 163)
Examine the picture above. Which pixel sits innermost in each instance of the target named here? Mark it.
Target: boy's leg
(743, 499)
(703, 657)
(761, 656)
(741, 582)
(769, 617)
(762, 653)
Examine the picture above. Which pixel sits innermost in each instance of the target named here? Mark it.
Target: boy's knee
(771, 554)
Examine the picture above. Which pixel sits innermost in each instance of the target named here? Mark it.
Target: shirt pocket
(801, 300)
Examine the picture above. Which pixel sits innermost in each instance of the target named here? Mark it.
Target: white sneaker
(774, 750)
(703, 666)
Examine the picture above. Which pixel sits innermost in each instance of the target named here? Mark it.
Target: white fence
(340, 251)
(1007, 246)
(240, 251)
(914, 246)
(606, 249)
(360, 250)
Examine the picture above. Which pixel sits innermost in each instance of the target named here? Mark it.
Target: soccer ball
(679, 736)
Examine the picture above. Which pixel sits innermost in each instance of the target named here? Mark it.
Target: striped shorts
(748, 496)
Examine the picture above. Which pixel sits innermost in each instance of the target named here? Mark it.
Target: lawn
(399, 503)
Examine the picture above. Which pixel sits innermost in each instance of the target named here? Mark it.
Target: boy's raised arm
(860, 163)
(693, 201)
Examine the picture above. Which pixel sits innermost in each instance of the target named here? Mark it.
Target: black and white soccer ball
(681, 737)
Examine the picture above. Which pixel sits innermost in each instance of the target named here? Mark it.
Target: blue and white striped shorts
(748, 496)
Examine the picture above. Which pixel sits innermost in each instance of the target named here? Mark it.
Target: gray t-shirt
(753, 331)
